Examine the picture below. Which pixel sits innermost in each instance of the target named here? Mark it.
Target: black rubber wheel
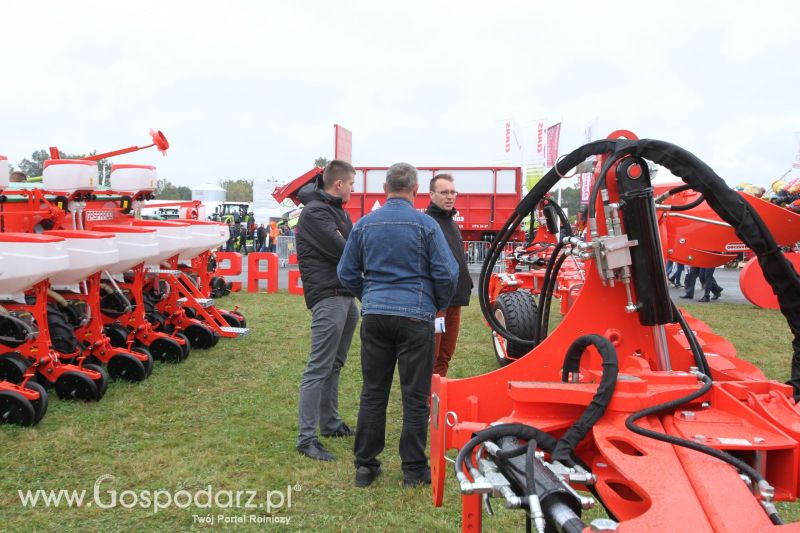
(117, 335)
(16, 409)
(231, 319)
(517, 312)
(126, 366)
(92, 360)
(13, 367)
(40, 405)
(190, 312)
(200, 336)
(102, 381)
(187, 345)
(157, 320)
(148, 365)
(166, 350)
(76, 386)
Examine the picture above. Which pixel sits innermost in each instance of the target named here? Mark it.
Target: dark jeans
(709, 283)
(387, 341)
(675, 277)
(691, 277)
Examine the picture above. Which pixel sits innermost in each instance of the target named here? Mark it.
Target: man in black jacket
(321, 233)
(442, 209)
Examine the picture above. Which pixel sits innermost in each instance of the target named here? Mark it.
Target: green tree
(571, 199)
(321, 162)
(239, 190)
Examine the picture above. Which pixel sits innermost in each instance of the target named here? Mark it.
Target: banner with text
(553, 135)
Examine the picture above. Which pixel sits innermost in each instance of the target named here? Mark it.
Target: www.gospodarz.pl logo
(155, 500)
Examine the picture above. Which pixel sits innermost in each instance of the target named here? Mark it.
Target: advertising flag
(553, 135)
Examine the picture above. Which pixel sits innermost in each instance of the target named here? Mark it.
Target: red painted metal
(755, 288)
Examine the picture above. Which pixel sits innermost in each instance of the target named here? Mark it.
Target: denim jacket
(397, 262)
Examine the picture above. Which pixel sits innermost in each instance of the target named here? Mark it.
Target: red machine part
(755, 288)
(487, 195)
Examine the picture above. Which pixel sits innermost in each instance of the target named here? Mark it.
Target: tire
(187, 346)
(117, 335)
(126, 366)
(40, 405)
(16, 409)
(231, 319)
(200, 336)
(13, 367)
(517, 311)
(76, 386)
(148, 366)
(102, 381)
(166, 350)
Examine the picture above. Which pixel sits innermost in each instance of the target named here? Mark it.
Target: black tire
(102, 381)
(200, 336)
(13, 367)
(117, 335)
(76, 386)
(187, 344)
(166, 350)
(126, 366)
(148, 365)
(219, 287)
(517, 311)
(40, 405)
(16, 409)
(231, 319)
(190, 312)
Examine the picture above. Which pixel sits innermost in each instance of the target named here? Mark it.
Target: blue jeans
(333, 322)
(388, 341)
(691, 278)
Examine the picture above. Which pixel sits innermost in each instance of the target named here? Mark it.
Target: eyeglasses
(447, 193)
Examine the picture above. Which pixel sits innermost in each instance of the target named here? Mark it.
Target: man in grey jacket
(321, 233)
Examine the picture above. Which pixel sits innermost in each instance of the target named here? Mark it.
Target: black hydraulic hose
(686, 207)
(548, 273)
(676, 190)
(544, 319)
(530, 450)
(671, 405)
(605, 390)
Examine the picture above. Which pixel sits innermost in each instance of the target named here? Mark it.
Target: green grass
(227, 417)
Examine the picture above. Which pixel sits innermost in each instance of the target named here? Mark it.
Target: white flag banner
(510, 151)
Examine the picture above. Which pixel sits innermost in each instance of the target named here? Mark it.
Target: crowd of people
(408, 270)
(709, 285)
(264, 238)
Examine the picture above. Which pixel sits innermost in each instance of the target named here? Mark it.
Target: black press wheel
(187, 345)
(117, 335)
(40, 405)
(148, 365)
(75, 385)
(232, 319)
(16, 409)
(13, 367)
(200, 336)
(126, 366)
(166, 350)
(516, 311)
(102, 381)
(190, 312)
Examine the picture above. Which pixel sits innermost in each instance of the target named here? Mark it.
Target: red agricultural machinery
(629, 398)
(76, 285)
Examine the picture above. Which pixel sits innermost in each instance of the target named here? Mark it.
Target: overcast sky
(252, 89)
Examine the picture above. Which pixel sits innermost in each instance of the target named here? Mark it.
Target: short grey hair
(401, 177)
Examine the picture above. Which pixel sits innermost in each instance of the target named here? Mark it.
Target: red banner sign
(553, 135)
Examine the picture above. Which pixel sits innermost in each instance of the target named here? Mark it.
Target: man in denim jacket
(398, 263)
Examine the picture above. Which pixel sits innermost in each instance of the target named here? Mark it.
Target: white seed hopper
(133, 178)
(136, 245)
(29, 258)
(205, 236)
(69, 175)
(173, 238)
(89, 252)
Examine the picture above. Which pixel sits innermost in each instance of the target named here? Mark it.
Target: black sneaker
(686, 296)
(424, 479)
(717, 294)
(343, 431)
(315, 450)
(365, 475)
(704, 299)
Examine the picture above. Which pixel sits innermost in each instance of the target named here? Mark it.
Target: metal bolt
(690, 258)
(759, 440)
(682, 240)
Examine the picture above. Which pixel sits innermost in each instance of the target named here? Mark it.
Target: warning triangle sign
(376, 205)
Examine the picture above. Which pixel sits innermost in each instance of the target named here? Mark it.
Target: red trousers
(446, 342)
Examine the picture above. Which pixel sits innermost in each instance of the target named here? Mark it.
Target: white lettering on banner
(508, 137)
(458, 219)
(94, 215)
(540, 139)
(586, 187)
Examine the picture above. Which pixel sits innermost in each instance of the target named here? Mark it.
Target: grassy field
(226, 419)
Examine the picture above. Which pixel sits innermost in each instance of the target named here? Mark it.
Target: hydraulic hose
(675, 190)
(547, 297)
